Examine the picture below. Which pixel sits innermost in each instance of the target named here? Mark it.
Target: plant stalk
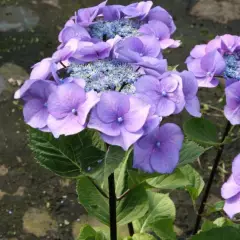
(112, 207)
(210, 180)
(130, 229)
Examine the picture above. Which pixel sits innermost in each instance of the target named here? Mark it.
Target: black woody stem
(210, 180)
(112, 207)
(130, 229)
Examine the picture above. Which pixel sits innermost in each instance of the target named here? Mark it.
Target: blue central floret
(232, 66)
(105, 30)
(106, 75)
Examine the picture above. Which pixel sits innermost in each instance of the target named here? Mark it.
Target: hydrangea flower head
(231, 190)
(158, 151)
(120, 118)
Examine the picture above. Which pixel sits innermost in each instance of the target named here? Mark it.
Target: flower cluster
(231, 190)
(109, 74)
(220, 58)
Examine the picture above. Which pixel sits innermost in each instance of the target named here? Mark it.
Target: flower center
(105, 75)
(232, 69)
(164, 93)
(105, 30)
(74, 111)
(209, 74)
(120, 119)
(158, 144)
(45, 104)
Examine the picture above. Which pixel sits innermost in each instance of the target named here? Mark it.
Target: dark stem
(63, 64)
(112, 207)
(210, 180)
(130, 229)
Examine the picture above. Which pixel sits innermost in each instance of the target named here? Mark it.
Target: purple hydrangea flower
(69, 107)
(112, 12)
(232, 108)
(161, 32)
(190, 89)
(231, 190)
(140, 9)
(120, 118)
(86, 16)
(133, 49)
(160, 14)
(158, 151)
(206, 68)
(35, 110)
(166, 94)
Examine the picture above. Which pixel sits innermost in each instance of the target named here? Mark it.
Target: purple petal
(195, 67)
(236, 169)
(190, 84)
(170, 83)
(166, 160)
(137, 115)
(232, 206)
(27, 84)
(112, 105)
(151, 123)
(162, 15)
(193, 107)
(35, 113)
(230, 188)
(110, 129)
(42, 70)
(229, 42)
(169, 43)
(170, 133)
(141, 159)
(208, 82)
(232, 114)
(214, 44)
(66, 126)
(198, 51)
(112, 13)
(165, 107)
(124, 140)
(151, 46)
(65, 99)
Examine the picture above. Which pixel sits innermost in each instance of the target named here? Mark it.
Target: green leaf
(140, 236)
(190, 152)
(92, 200)
(164, 229)
(196, 181)
(101, 236)
(222, 233)
(170, 181)
(160, 207)
(202, 131)
(136, 177)
(67, 156)
(216, 207)
(121, 175)
(113, 157)
(133, 206)
(87, 233)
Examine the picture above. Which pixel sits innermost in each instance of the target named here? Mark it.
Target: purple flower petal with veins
(158, 151)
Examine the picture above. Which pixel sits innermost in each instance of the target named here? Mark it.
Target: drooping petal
(193, 107)
(232, 206)
(230, 188)
(190, 84)
(42, 70)
(236, 169)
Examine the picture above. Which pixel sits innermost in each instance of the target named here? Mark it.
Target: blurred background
(34, 203)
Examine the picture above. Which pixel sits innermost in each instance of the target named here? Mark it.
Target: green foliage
(221, 233)
(196, 182)
(201, 131)
(133, 206)
(141, 236)
(92, 200)
(170, 181)
(190, 152)
(161, 210)
(88, 233)
(68, 156)
(216, 207)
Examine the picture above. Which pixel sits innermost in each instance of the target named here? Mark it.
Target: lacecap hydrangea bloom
(219, 58)
(109, 74)
(231, 190)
